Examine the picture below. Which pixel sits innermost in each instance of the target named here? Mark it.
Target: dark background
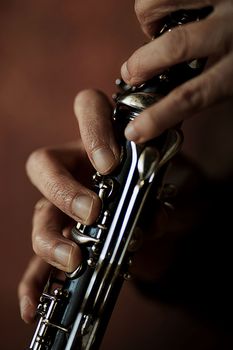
(49, 50)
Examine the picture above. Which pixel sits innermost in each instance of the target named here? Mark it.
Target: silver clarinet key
(75, 315)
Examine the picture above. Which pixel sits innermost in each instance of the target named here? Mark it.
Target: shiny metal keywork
(74, 311)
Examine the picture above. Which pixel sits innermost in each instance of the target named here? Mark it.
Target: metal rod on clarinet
(75, 314)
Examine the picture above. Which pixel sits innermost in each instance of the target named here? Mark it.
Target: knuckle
(190, 97)
(43, 244)
(22, 287)
(38, 244)
(155, 122)
(84, 97)
(178, 44)
(41, 204)
(54, 191)
(140, 11)
(146, 13)
(61, 197)
(35, 158)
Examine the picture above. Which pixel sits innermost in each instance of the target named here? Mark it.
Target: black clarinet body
(74, 312)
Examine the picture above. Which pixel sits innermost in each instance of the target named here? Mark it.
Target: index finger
(93, 112)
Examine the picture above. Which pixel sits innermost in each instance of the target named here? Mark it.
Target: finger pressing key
(48, 240)
(31, 286)
(52, 175)
(93, 111)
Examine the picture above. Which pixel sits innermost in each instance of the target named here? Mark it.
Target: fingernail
(62, 254)
(124, 72)
(82, 206)
(26, 309)
(103, 159)
(131, 133)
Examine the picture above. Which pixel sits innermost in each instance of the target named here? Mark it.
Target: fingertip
(67, 256)
(104, 160)
(143, 129)
(86, 207)
(131, 133)
(75, 259)
(83, 97)
(94, 210)
(125, 72)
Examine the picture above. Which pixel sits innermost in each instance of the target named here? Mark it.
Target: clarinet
(74, 311)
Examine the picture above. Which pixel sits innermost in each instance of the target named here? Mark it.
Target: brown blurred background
(49, 50)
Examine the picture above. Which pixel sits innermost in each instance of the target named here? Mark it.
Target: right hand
(62, 174)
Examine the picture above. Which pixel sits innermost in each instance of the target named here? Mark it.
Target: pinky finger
(212, 86)
(31, 286)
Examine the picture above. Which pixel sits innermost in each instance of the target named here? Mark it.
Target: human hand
(153, 259)
(211, 37)
(62, 175)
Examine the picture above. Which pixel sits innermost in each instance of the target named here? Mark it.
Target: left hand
(51, 226)
(211, 37)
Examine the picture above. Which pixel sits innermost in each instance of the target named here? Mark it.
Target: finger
(31, 286)
(93, 111)
(183, 43)
(149, 12)
(50, 171)
(48, 240)
(185, 101)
